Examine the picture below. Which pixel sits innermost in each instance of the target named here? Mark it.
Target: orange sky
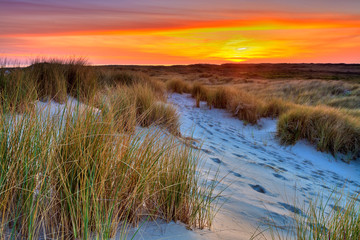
(161, 33)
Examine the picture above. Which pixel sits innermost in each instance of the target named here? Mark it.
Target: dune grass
(17, 90)
(56, 78)
(113, 78)
(138, 105)
(331, 129)
(323, 218)
(86, 173)
(178, 86)
(84, 177)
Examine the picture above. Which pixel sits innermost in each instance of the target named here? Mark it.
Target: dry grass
(329, 129)
(90, 174)
(199, 91)
(17, 91)
(83, 176)
(178, 86)
(275, 107)
(307, 92)
(56, 79)
(324, 218)
(246, 107)
(138, 105)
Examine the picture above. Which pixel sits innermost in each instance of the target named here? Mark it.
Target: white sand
(264, 179)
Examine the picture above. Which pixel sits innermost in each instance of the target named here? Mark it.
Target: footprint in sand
(239, 155)
(236, 174)
(280, 176)
(217, 160)
(207, 151)
(292, 208)
(258, 188)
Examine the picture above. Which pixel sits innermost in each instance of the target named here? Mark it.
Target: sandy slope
(264, 179)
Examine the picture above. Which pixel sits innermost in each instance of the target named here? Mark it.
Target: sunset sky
(182, 32)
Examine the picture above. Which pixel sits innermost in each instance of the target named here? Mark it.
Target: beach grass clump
(178, 86)
(222, 97)
(26, 150)
(113, 78)
(333, 217)
(56, 79)
(49, 79)
(118, 104)
(151, 111)
(82, 80)
(138, 105)
(17, 90)
(245, 107)
(323, 219)
(164, 115)
(199, 91)
(78, 176)
(274, 107)
(329, 129)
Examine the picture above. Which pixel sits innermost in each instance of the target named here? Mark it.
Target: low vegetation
(177, 85)
(93, 173)
(330, 129)
(138, 105)
(327, 128)
(323, 218)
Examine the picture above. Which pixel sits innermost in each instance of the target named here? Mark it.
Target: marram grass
(91, 174)
(330, 129)
(334, 217)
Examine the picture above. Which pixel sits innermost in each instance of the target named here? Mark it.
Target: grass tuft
(329, 129)
(178, 86)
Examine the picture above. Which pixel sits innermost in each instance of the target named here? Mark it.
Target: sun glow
(254, 40)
